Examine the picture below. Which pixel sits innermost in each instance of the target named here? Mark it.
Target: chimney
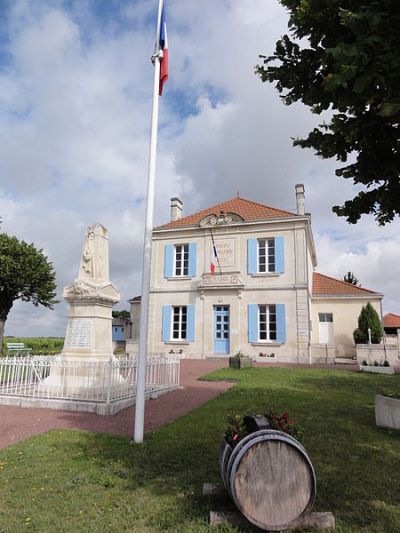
(300, 198)
(176, 209)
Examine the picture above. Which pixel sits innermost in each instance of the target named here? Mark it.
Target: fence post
(109, 380)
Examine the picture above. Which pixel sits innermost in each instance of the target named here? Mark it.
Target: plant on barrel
(238, 428)
(25, 274)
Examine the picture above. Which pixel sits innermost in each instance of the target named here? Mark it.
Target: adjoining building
(240, 276)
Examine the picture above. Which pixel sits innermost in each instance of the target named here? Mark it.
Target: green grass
(74, 481)
(39, 345)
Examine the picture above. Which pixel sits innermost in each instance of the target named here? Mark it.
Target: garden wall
(377, 352)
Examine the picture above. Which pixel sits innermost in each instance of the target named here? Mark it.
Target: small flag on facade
(164, 47)
(213, 258)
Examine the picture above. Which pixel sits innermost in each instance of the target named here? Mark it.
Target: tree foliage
(121, 314)
(345, 57)
(25, 274)
(350, 278)
(368, 319)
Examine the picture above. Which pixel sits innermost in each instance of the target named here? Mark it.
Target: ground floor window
(267, 322)
(179, 322)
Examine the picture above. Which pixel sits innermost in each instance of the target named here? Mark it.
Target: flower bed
(377, 367)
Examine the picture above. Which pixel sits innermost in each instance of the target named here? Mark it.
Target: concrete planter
(387, 412)
(377, 369)
(240, 361)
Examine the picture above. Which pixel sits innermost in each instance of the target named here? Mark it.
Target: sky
(75, 104)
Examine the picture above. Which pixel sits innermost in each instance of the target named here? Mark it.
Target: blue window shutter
(252, 256)
(191, 322)
(280, 255)
(169, 261)
(252, 310)
(280, 323)
(166, 322)
(192, 258)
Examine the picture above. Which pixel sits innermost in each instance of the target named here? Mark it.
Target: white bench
(17, 348)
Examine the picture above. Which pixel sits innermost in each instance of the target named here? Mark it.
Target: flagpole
(144, 304)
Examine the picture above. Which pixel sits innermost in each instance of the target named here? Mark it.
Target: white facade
(258, 296)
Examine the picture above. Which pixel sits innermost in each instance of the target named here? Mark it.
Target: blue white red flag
(163, 42)
(213, 259)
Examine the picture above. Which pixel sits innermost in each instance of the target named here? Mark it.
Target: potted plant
(382, 367)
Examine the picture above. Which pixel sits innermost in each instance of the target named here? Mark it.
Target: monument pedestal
(88, 340)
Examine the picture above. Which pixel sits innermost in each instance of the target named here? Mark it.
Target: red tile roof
(325, 285)
(391, 321)
(246, 209)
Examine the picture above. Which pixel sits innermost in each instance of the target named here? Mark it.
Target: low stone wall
(323, 353)
(377, 352)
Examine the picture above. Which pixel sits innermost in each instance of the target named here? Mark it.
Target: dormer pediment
(222, 218)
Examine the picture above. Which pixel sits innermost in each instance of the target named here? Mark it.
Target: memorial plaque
(79, 333)
(230, 279)
(225, 251)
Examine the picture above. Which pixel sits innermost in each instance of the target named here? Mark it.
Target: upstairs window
(267, 322)
(181, 260)
(265, 255)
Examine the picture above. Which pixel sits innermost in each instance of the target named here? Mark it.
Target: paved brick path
(18, 423)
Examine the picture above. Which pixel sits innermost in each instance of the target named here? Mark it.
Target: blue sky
(75, 101)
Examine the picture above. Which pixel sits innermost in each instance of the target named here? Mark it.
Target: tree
(350, 278)
(121, 314)
(368, 319)
(25, 274)
(347, 62)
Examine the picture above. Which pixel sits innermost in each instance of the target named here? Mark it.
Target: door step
(345, 361)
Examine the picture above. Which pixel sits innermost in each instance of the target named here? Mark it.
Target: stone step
(345, 361)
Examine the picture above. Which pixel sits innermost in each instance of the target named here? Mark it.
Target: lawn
(74, 481)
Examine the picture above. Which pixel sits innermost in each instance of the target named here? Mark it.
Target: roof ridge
(393, 314)
(241, 203)
(262, 205)
(345, 283)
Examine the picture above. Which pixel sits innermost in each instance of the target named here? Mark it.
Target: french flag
(213, 259)
(163, 42)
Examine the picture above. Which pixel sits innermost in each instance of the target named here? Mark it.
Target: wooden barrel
(270, 478)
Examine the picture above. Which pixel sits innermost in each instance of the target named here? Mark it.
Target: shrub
(368, 319)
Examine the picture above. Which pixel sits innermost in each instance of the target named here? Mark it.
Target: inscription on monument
(79, 333)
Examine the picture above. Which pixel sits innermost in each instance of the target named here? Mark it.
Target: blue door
(221, 328)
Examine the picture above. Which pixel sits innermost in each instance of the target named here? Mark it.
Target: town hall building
(240, 276)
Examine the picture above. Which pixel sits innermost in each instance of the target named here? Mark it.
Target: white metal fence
(52, 377)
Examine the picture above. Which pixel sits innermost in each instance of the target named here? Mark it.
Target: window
(325, 317)
(266, 255)
(179, 322)
(267, 322)
(181, 263)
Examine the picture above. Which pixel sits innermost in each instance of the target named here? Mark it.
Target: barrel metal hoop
(246, 444)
